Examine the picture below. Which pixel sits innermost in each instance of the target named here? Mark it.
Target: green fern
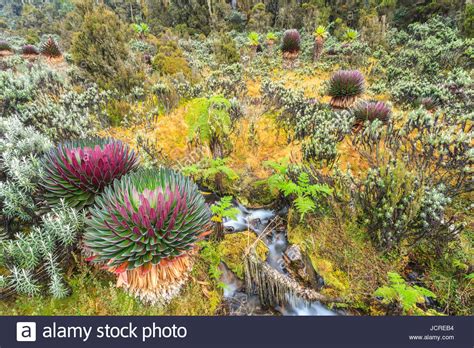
(209, 121)
(407, 296)
(207, 169)
(307, 194)
(224, 208)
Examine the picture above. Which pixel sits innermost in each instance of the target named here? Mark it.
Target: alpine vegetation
(345, 86)
(370, 111)
(144, 228)
(50, 48)
(77, 170)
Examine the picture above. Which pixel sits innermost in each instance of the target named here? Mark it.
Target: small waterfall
(268, 282)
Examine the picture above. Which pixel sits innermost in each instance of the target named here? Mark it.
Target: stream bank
(285, 283)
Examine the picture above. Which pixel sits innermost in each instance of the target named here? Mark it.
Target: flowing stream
(241, 303)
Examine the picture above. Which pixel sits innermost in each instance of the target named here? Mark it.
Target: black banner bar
(290, 332)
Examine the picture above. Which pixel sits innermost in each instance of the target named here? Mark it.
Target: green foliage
(210, 253)
(406, 296)
(305, 193)
(141, 29)
(209, 122)
(32, 257)
(468, 23)
(224, 209)
(253, 39)
(271, 36)
(226, 51)
(351, 35)
(100, 49)
(207, 170)
(169, 59)
(321, 32)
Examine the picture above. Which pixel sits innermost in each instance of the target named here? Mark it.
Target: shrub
(226, 51)
(78, 170)
(318, 126)
(212, 173)
(21, 148)
(66, 116)
(5, 46)
(145, 227)
(468, 23)
(345, 86)
(370, 111)
(419, 61)
(100, 49)
(29, 49)
(50, 48)
(291, 42)
(169, 59)
(405, 197)
(31, 258)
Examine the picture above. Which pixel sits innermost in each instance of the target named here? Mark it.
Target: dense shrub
(66, 116)
(419, 60)
(34, 258)
(226, 51)
(20, 150)
(405, 196)
(100, 49)
(169, 59)
(318, 127)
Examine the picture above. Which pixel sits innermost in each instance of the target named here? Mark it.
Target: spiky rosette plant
(80, 169)
(5, 46)
(370, 111)
(50, 48)
(429, 103)
(143, 227)
(345, 86)
(29, 50)
(291, 43)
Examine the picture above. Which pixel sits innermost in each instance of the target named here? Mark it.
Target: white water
(256, 220)
(249, 219)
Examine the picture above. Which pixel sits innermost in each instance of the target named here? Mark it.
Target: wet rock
(300, 267)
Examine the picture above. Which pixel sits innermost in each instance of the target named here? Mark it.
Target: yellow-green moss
(233, 247)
